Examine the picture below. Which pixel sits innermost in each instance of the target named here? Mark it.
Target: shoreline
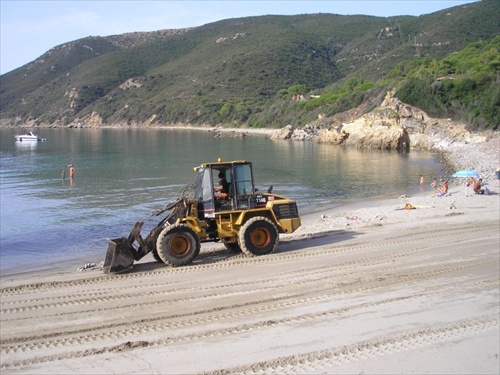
(482, 156)
(457, 156)
(352, 214)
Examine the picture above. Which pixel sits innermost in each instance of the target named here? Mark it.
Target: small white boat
(31, 136)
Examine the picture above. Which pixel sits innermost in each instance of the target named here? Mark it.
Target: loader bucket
(120, 256)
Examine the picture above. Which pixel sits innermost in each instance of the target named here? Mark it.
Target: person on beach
(477, 186)
(63, 174)
(434, 183)
(71, 170)
(422, 180)
(443, 189)
(470, 181)
(497, 173)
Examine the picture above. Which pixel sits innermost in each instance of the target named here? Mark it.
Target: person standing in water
(71, 171)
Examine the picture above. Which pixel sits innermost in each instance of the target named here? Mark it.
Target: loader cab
(235, 195)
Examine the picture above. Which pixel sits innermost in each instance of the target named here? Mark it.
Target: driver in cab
(222, 189)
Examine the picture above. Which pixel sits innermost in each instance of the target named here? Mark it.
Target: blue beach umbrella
(466, 173)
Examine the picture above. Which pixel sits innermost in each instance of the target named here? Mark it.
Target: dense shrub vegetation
(463, 85)
(269, 71)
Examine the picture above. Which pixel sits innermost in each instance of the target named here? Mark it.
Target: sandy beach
(368, 287)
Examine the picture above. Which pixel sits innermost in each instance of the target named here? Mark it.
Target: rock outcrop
(393, 125)
(93, 120)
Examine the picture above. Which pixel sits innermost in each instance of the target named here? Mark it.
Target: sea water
(122, 175)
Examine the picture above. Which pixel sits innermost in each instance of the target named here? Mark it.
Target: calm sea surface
(123, 175)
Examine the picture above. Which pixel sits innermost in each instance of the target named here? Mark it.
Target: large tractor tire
(258, 236)
(178, 245)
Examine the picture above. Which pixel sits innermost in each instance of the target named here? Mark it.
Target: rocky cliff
(393, 125)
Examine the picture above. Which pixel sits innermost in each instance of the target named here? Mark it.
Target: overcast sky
(30, 28)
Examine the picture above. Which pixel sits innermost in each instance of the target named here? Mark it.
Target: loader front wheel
(258, 236)
(177, 245)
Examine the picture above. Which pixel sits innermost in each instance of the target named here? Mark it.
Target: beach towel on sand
(407, 207)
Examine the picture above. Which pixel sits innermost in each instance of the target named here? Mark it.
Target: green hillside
(244, 72)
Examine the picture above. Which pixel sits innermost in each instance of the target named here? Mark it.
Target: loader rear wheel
(178, 245)
(258, 236)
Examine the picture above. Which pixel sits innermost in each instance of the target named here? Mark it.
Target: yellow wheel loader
(223, 205)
